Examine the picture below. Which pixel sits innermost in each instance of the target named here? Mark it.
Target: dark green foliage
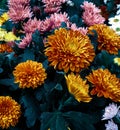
(54, 121)
(31, 109)
(28, 55)
(79, 121)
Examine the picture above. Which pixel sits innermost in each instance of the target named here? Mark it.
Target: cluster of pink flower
(52, 6)
(91, 14)
(19, 10)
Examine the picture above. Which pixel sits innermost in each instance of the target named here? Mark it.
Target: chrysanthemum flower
(31, 25)
(81, 29)
(29, 74)
(78, 88)
(2, 34)
(117, 61)
(110, 111)
(111, 125)
(53, 6)
(69, 50)
(19, 13)
(19, 2)
(10, 111)
(91, 14)
(105, 84)
(5, 48)
(8, 37)
(54, 21)
(3, 18)
(25, 41)
(107, 38)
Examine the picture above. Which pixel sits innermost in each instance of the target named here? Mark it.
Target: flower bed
(59, 64)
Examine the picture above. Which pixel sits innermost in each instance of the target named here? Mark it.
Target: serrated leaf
(54, 121)
(37, 39)
(28, 55)
(10, 83)
(79, 120)
(31, 110)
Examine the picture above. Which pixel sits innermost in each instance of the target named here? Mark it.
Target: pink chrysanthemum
(80, 29)
(25, 41)
(32, 25)
(52, 6)
(18, 11)
(54, 21)
(19, 2)
(46, 25)
(91, 14)
(58, 18)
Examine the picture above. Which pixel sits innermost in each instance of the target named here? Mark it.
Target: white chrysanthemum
(114, 20)
(111, 125)
(110, 111)
(116, 28)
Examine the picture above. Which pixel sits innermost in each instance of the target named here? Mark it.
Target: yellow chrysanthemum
(8, 37)
(5, 48)
(69, 50)
(3, 18)
(78, 88)
(2, 34)
(9, 112)
(117, 61)
(29, 74)
(107, 38)
(105, 84)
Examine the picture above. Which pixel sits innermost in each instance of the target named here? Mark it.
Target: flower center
(116, 20)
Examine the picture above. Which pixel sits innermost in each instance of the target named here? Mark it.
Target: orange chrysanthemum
(78, 88)
(69, 50)
(105, 84)
(107, 38)
(9, 112)
(5, 48)
(29, 74)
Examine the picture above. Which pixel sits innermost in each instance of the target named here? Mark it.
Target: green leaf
(10, 83)
(79, 120)
(28, 55)
(54, 121)
(104, 59)
(31, 109)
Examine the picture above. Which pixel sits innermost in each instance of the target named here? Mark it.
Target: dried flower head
(78, 88)
(9, 112)
(29, 74)
(111, 125)
(69, 50)
(91, 14)
(105, 84)
(110, 111)
(107, 38)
